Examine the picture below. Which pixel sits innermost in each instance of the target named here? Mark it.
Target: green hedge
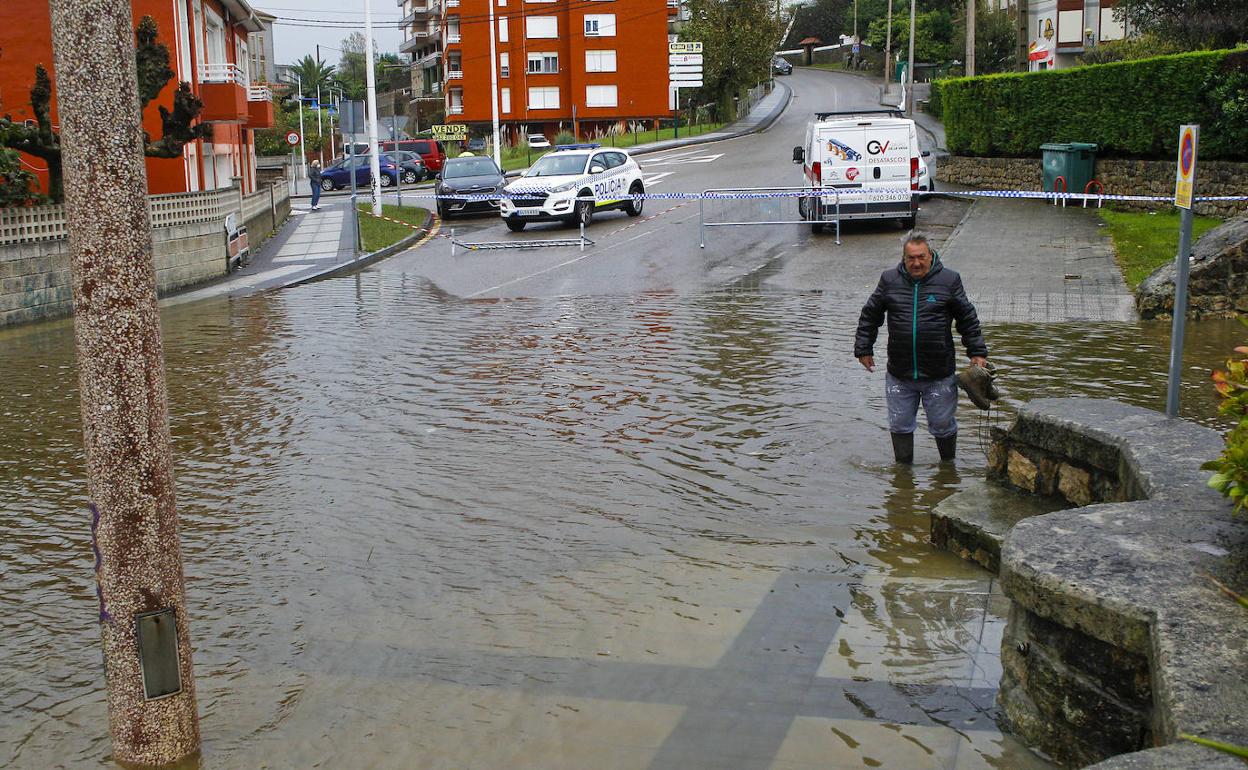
(1131, 108)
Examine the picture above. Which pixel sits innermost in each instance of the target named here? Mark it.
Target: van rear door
(888, 162)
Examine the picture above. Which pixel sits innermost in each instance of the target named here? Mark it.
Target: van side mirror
(799, 155)
(926, 153)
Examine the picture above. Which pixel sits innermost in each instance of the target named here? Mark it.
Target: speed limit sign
(292, 138)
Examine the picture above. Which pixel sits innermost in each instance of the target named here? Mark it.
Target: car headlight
(563, 188)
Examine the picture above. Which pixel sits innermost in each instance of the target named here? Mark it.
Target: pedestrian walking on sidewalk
(314, 176)
(921, 298)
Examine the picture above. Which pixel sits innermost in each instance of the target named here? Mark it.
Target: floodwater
(651, 531)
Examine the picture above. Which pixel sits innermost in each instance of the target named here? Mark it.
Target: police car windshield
(558, 164)
(468, 167)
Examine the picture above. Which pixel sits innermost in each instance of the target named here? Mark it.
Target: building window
(600, 61)
(1111, 28)
(600, 96)
(543, 63)
(1069, 22)
(504, 65)
(502, 3)
(546, 98)
(539, 27)
(504, 95)
(503, 28)
(600, 25)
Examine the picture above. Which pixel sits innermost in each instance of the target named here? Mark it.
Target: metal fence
(750, 206)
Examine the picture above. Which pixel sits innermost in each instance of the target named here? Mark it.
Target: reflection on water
(511, 533)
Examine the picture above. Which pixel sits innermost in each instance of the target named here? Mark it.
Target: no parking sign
(1186, 173)
(292, 138)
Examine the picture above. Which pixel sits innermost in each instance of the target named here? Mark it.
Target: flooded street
(656, 530)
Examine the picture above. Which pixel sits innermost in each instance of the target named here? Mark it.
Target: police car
(602, 178)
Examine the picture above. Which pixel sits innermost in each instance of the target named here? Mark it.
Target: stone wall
(1116, 641)
(34, 275)
(1120, 177)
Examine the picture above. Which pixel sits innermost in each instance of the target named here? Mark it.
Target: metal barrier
(1087, 190)
(544, 243)
(768, 203)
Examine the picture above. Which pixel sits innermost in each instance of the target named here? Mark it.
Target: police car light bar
(587, 146)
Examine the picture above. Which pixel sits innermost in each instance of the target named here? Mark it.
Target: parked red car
(431, 152)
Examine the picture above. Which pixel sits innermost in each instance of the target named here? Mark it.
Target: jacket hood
(936, 268)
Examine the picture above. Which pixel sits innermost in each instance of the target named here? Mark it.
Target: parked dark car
(781, 66)
(473, 175)
(413, 167)
(433, 153)
(476, 144)
(338, 175)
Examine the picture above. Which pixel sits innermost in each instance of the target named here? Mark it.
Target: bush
(565, 137)
(1230, 475)
(17, 185)
(1129, 109)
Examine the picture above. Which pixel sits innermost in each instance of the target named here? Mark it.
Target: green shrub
(1230, 470)
(565, 137)
(1131, 108)
(934, 105)
(17, 185)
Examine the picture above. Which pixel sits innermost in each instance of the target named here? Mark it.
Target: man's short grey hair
(918, 238)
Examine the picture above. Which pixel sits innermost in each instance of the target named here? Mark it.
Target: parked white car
(572, 183)
(538, 142)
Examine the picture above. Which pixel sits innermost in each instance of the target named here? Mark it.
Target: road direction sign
(688, 47)
(292, 138)
(684, 58)
(685, 68)
(682, 78)
(1185, 173)
(688, 83)
(450, 132)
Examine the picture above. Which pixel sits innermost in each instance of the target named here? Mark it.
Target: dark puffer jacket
(920, 344)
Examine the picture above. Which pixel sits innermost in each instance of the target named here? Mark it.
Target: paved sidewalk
(1029, 261)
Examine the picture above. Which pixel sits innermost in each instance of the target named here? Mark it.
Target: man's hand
(868, 362)
(979, 361)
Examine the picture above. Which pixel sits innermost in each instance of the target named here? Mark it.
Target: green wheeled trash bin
(1072, 161)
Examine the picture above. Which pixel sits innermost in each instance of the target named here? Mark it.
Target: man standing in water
(921, 298)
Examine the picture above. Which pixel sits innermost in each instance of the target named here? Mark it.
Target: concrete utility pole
(303, 138)
(910, 65)
(370, 76)
(971, 8)
(121, 375)
(888, 47)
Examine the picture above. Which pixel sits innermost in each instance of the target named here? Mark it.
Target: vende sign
(689, 47)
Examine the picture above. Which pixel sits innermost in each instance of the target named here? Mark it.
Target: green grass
(378, 233)
(1145, 241)
(519, 157)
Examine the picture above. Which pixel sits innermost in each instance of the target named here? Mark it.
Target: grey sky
(292, 41)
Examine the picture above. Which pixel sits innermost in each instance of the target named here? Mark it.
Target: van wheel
(634, 206)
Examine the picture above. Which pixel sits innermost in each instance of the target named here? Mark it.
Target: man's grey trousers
(940, 404)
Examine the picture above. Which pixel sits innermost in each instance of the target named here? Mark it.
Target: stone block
(1022, 471)
(1075, 484)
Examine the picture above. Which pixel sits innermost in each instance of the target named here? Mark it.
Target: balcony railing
(259, 94)
(222, 73)
(455, 75)
(455, 109)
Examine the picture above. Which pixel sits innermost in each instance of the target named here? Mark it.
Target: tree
(739, 38)
(824, 19)
(314, 73)
(152, 61)
(351, 73)
(1194, 24)
(17, 185)
(933, 34)
(996, 39)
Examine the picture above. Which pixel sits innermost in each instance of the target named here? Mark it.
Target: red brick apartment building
(596, 62)
(208, 43)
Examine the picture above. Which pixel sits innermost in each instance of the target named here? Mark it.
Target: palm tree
(314, 73)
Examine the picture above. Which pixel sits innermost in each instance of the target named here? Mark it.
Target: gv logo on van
(843, 151)
(875, 148)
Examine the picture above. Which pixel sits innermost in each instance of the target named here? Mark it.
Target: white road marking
(684, 161)
(651, 180)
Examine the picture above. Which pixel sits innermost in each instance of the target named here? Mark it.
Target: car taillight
(815, 172)
(914, 173)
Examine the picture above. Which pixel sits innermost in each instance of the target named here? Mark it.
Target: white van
(870, 157)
